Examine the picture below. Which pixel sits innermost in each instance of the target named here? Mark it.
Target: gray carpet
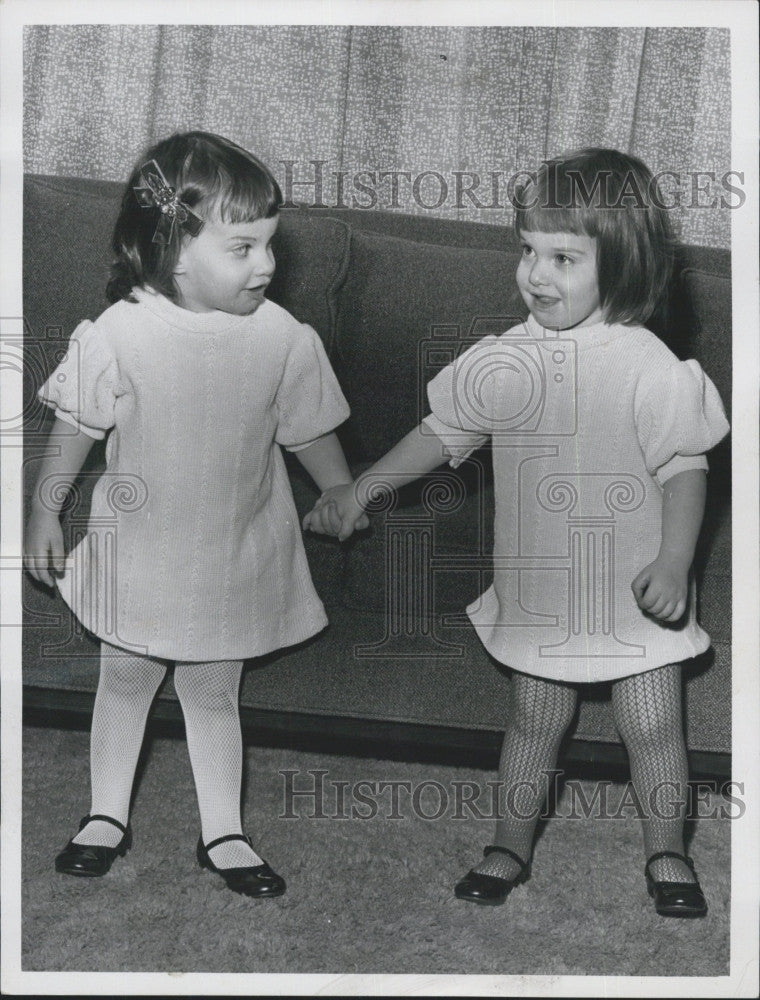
(369, 895)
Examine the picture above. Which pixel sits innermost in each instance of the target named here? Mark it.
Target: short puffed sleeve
(472, 398)
(85, 386)
(309, 400)
(680, 417)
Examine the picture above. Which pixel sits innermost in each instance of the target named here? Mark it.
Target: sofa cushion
(348, 670)
(312, 257)
(404, 309)
(424, 228)
(705, 299)
(67, 236)
(702, 327)
(699, 326)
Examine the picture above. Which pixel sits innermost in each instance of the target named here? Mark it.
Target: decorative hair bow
(153, 191)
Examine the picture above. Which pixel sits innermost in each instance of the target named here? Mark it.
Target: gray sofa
(398, 670)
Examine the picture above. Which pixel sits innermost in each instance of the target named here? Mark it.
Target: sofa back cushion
(405, 310)
(67, 235)
(312, 255)
(702, 328)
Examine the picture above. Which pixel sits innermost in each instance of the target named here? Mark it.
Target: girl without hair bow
(153, 191)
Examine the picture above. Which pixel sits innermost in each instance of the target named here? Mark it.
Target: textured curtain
(416, 119)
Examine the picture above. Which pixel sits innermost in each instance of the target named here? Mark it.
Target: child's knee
(130, 677)
(535, 718)
(647, 708)
(213, 690)
(655, 729)
(653, 735)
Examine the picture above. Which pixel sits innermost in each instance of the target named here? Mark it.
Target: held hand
(337, 513)
(323, 518)
(661, 589)
(43, 547)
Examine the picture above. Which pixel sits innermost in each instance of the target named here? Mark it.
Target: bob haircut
(613, 198)
(212, 176)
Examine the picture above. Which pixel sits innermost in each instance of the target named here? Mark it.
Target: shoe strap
(495, 848)
(225, 839)
(99, 818)
(668, 854)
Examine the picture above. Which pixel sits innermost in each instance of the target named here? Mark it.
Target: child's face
(228, 266)
(558, 281)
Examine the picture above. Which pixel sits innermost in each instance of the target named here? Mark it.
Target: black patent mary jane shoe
(257, 881)
(93, 860)
(490, 890)
(675, 899)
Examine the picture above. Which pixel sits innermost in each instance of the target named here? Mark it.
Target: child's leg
(208, 693)
(126, 689)
(540, 712)
(648, 716)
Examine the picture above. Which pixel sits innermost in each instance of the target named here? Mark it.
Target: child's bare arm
(417, 453)
(43, 540)
(661, 588)
(326, 464)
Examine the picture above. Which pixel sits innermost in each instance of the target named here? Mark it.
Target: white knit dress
(586, 426)
(193, 548)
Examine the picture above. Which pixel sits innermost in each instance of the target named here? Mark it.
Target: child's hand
(661, 589)
(323, 518)
(43, 547)
(337, 512)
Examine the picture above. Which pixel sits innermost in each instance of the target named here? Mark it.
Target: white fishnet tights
(208, 694)
(126, 689)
